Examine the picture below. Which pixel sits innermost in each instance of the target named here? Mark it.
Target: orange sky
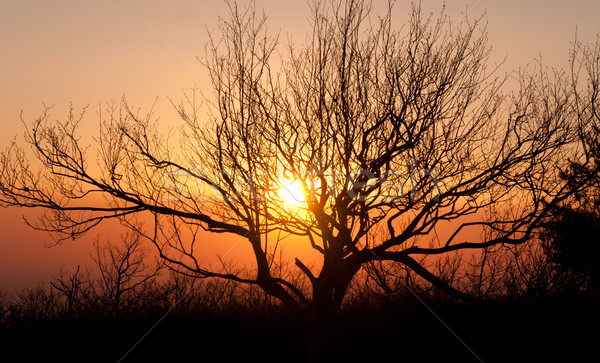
(91, 52)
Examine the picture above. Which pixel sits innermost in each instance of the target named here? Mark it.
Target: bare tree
(127, 279)
(71, 286)
(394, 131)
(570, 234)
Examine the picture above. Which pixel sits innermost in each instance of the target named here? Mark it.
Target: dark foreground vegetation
(536, 309)
(496, 333)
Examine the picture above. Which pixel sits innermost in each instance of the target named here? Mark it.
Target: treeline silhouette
(123, 284)
(100, 312)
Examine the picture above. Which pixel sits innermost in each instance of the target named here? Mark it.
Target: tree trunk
(328, 293)
(322, 328)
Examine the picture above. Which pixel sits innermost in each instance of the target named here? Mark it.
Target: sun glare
(291, 193)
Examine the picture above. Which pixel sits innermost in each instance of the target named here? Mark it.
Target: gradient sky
(92, 52)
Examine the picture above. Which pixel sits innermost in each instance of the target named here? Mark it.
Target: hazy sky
(92, 52)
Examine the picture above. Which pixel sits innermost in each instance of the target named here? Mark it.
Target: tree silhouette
(71, 286)
(391, 134)
(126, 281)
(571, 231)
(570, 241)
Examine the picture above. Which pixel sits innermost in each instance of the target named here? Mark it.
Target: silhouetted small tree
(72, 287)
(572, 232)
(126, 279)
(571, 242)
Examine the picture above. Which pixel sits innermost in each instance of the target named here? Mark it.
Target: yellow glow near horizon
(292, 193)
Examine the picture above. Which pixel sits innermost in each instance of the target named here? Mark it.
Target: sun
(291, 193)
